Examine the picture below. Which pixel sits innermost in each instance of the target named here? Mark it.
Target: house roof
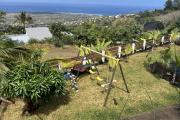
(38, 33)
(21, 37)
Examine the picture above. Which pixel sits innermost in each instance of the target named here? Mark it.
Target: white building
(38, 33)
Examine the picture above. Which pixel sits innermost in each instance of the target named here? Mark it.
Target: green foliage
(15, 29)
(23, 19)
(175, 34)
(33, 41)
(57, 30)
(32, 81)
(100, 45)
(2, 17)
(10, 55)
(168, 4)
(154, 35)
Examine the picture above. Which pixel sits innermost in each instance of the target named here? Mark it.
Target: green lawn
(147, 92)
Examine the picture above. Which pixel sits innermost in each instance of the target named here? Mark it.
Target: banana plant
(143, 39)
(101, 45)
(175, 34)
(154, 36)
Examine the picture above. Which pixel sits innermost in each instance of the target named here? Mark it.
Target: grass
(147, 92)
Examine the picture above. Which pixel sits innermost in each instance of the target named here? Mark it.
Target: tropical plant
(154, 36)
(23, 19)
(100, 45)
(2, 17)
(175, 34)
(10, 54)
(57, 30)
(32, 81)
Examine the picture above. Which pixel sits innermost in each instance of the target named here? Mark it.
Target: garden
(102, 72)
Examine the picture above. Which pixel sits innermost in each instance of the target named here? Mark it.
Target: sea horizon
(89, 9)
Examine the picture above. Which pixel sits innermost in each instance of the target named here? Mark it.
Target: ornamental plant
(32, 81)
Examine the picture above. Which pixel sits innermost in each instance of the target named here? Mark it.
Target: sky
(108, 2)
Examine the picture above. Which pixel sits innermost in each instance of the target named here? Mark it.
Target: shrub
(32, 81)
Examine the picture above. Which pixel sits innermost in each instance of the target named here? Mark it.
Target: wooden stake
(110, 86)
(123, 77)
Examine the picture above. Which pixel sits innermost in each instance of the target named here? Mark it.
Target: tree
(57, 30)
(2, 17)
(169, 4)
(23, 19)
(32, 81)
(2, 21)
(177, 4)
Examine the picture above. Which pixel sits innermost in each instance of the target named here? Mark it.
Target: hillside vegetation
(147, 92)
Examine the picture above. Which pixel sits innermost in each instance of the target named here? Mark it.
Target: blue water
(70, 8)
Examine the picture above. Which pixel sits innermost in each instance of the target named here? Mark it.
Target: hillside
(147, 92)
(170, 17)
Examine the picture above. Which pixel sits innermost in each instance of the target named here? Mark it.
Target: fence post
(119, 51)
(103, 56)
(144, 44)
(162, 40)
(133, 47)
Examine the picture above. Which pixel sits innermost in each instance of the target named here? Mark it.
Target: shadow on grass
(52, 104)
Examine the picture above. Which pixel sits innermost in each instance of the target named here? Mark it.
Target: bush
(32, 81)
(33, 41)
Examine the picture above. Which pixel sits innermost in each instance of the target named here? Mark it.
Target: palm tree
(154, 35)
(23, 19)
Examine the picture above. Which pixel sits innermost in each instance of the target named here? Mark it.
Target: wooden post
(119, 51)
(93, 62)
(59, 66)
(110, 86)
(123, 78)
(103, 57)
(84, 62)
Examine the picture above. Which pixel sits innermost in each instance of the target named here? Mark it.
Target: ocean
(78, 8)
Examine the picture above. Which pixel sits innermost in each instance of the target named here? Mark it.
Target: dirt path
(166, 113)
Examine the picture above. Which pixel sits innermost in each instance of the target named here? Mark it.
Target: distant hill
(170, 17)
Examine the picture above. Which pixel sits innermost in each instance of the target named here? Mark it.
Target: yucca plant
(32, 82)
